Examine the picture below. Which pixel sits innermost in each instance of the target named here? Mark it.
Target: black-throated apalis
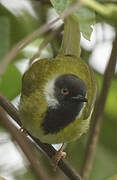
(58, 95)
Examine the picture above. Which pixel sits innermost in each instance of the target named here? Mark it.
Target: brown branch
(26, 146)
(20, 45)
(99, 113)
(47, 148)
(10, 109)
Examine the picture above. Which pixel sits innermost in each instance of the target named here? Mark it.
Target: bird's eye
(64, 91)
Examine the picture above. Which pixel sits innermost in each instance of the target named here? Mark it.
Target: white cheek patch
(49, 93)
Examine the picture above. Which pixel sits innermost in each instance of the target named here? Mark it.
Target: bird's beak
(80, 98)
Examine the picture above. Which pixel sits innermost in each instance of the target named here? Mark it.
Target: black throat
(59, 118)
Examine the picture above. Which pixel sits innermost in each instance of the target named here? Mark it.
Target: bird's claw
(57, 157)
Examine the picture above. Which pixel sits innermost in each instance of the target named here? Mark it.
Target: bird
(57, 99)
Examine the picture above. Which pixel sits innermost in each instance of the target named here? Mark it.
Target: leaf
(4, 36)
(83, 15)
(10, 82)
(86, 18)
(61, 5)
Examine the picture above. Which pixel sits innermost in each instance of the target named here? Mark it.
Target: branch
(26, 146)
(21, 44)
(99, 112)
(47, 148)
(45, 42)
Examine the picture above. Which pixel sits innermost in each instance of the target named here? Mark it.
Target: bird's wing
(32, 78)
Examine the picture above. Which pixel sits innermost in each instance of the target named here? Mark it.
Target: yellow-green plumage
(33, 104)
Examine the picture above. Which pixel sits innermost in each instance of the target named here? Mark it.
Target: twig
(45, 42)
(21, 44)
(47, 148)
(26, 146)
(99, 113)
(14, 51)
(10, 109)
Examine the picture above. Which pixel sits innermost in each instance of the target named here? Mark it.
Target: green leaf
(86, 18)
(61, 5)
(83, 15)
(10, 82)
(4, 36)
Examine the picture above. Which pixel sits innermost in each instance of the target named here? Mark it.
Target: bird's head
(65, 89)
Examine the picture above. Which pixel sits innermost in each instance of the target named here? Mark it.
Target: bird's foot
(58, 156)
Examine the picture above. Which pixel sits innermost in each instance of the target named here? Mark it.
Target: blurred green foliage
(107, 10)
(10, 82)
(20, 24)
(27, 175)
(15, 27)
(113, 177)
(4, 36)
